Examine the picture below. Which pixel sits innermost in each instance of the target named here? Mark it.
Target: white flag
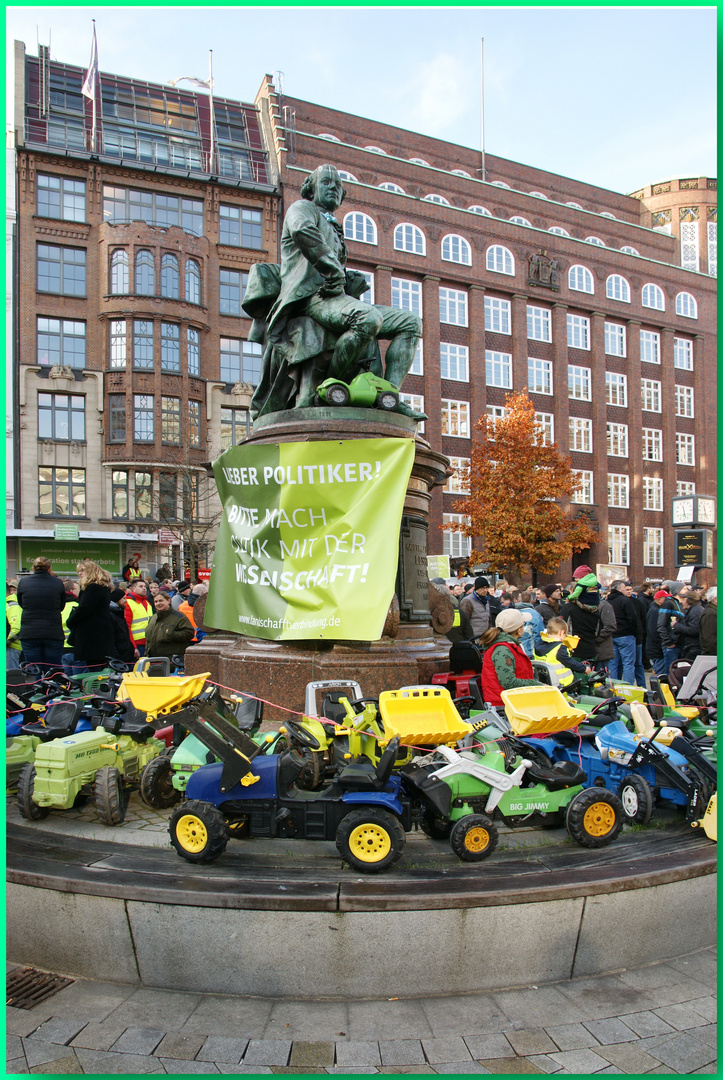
(91, 77)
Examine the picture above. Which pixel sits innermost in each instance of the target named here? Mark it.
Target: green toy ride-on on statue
(366, 390)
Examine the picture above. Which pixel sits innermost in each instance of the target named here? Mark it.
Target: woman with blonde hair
(90, 624)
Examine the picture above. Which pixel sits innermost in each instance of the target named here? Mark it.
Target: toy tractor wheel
(370, 840)
(387, 401)
(637, 799)
(337, 395)
(110, 796)
(199, 831)
(26, 785)
(595, 817)
(436, 827)
(474, 837)
(156, 788)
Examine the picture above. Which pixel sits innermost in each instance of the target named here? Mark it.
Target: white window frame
(653, 547)
(455, 485)
(580, 434)
(594, 240)
(547, 423)
(652, 493)
(360, 227)
(539, 376)
(417, 367)
(619, 545)
(500, 260)
(685, 487)
(453, 362)
(498, 315)
(616, 389)
(452, 306)
(689, 246)
(477, 209)
(366, 297)
(617, 288)
(579, 383)
(652, 297)
(686, 305)
(456, 249)
(684, 448)
(416, 402)
(578, 332)
(685, 401)
(649, 347)
(394, 188)
(652, 444)
(683, 354)
(455, 544)
(580, 279)
(651, 395)
(619, 490)
(615, 339)
(455, 414)
(498, 369)
(583, 493)
(409, 237)
(617, 439)
(517, 219)
(407, 295)
(713, 248)
(439, 199)
(539, 323)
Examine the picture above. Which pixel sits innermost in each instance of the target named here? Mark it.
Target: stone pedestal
(408, 652)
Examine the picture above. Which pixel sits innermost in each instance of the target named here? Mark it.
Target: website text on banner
(308, 542)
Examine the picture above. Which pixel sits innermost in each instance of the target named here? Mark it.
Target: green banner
(65, 555)
(308, 542)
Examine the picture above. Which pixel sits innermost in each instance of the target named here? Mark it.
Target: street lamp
(208, 85)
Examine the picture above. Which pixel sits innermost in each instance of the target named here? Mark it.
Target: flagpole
(482, 101)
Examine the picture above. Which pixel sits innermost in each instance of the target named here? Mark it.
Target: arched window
(388, 186)
(574, 205)
(606, 213)
(145, 277)
(456, 249)
(686, 305)
(375, 149)
(517, 220)
(558, 230)
(538, 194)
(419, 161)
(579, 278)
(630, 250)
(501, 183)
(617, 288)
(479, 210)
(653, 297)
(594, 240)
(170, 277)
(361, 227)
(119, 272)
(193, 282)
(409, 238)
(347, 175)
(500, 260)
(461, 172)
(436, 198)
(326, 135)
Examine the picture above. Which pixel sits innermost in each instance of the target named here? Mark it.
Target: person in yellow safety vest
(13, 615)
(138, 614)
(554, 652)
(71, 601)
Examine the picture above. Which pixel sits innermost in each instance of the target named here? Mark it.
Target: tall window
(454, 362)
(584, 490)
(684, 401)
(455, 418)
(616, 389)
(145, 282)
(193, 351)
(456, 249)
(417, 367)
(684, 449)
(650, 346)
(539, 376)
(498, 369)
(231, 291)
(119, 272)
(497, 315)
(499, 260)
(60, 341)
(170, 347)
(117, 415)
(455, 544)
(689, 253)
(578, 332)
(143, 418)
(652, 493)
(368, 296)
(579, 279)
(653, 547)
(652, 444)
(619, 545)
(60, 197)
(119, 499)
(409, 238)
(193, 282)
(547, 423)
(416, 402)
(235, 426)
(118, 343)
(458, 482)
(653, 297)
(61, 270)
(617, 440)
(407, 295)
(142, 343)
(580, 434)
(240, 227)
(539, 323)
(194, 423)
(683, 354)
(170, 277)
(360, 227)
(713, 248)
(167, 496)
(618, 490)
(61, 492)
(170, 420)
(155, 208)
(578, 382)
(614, 339)
(617, 288)
(686, 305)
(453, 307)
(650, 395)
(144, 494)
(61, 417)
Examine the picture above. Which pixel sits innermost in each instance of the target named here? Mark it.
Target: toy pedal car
(365, 390)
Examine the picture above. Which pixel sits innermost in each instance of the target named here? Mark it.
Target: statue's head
(324, 187)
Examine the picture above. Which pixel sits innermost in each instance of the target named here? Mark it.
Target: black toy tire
(474, 838)
(387, 401)
(433, 825)
(110, 796)
(26, 785)
(156, 789)
(370, 839)
(199, 831)
(337, 396)
(595, 817)
(637, 798)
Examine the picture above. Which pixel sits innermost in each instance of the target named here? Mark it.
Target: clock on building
(705, 509)
(683, 510)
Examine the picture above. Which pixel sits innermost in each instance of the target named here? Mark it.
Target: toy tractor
(366, 390)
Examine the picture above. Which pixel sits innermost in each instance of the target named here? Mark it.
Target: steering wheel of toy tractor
(362, 701)
(463, 705)
(606, 704)
(301, 735)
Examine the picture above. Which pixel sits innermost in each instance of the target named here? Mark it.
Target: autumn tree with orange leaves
(518, 489)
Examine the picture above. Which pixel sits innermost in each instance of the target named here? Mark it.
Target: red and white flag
(91, 78)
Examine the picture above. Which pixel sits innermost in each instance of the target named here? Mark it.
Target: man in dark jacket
(654, 644)
(481, 608)
(550, 607)
(629, 631)
(122, 644)
(41, 595)
(169, 632)
(686, 630)
(709, 623)
(669, 613)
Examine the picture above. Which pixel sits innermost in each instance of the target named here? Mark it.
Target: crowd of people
(621, 629)
(78, 624)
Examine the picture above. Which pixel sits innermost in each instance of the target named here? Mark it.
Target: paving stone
(680, 1017)
(473, 1014)
(14, 1046)
(452, 1068)
(358, 1053)
(538, 1008)
(489, 1046)
(377, 1020)
(601, 996)
(531, 1041)
(243, 1070)
(268, 1052)
(98, 1036)
(21, 1022)
(401, 1052)
(183, 1047)
(612, 1070)
(702, 966)
(662, 1070)
(571, 1037)
(104, 1062)
(629, 1057)
(609, 1031)
(89, 1000)
(421, 1070)
(580, 1061)
(137, 1041)
(66, 1065)
(677, 989)
(351, 1070)
(170, 1009)
(684, 1053)
(19, 1066)
(545, 1063)
(707, 1007)
(222, 1050)
(712, 1068)
(646, 1024)
(219, 1014)
(296, 1070)
(59, 1030)
(707, 1034)
(309, 1054)
(444, 1051)
(38, 1052)
(510, 1065)
(306, 1021)
(177, 1065)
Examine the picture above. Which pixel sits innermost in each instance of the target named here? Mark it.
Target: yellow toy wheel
(599, 819)
(370, 839)
(199, 831)
(595, 817)
(474, 837)
(192, 833)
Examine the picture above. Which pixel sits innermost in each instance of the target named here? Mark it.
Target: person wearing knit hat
(653, 644)
(122, 642)
(549, 608)
(505, 664)
(479, 607)
(669, 612)
(587, 589)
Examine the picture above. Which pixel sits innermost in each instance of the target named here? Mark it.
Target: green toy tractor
(366, 390)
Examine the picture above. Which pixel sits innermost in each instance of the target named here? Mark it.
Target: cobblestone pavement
(653, 1020)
